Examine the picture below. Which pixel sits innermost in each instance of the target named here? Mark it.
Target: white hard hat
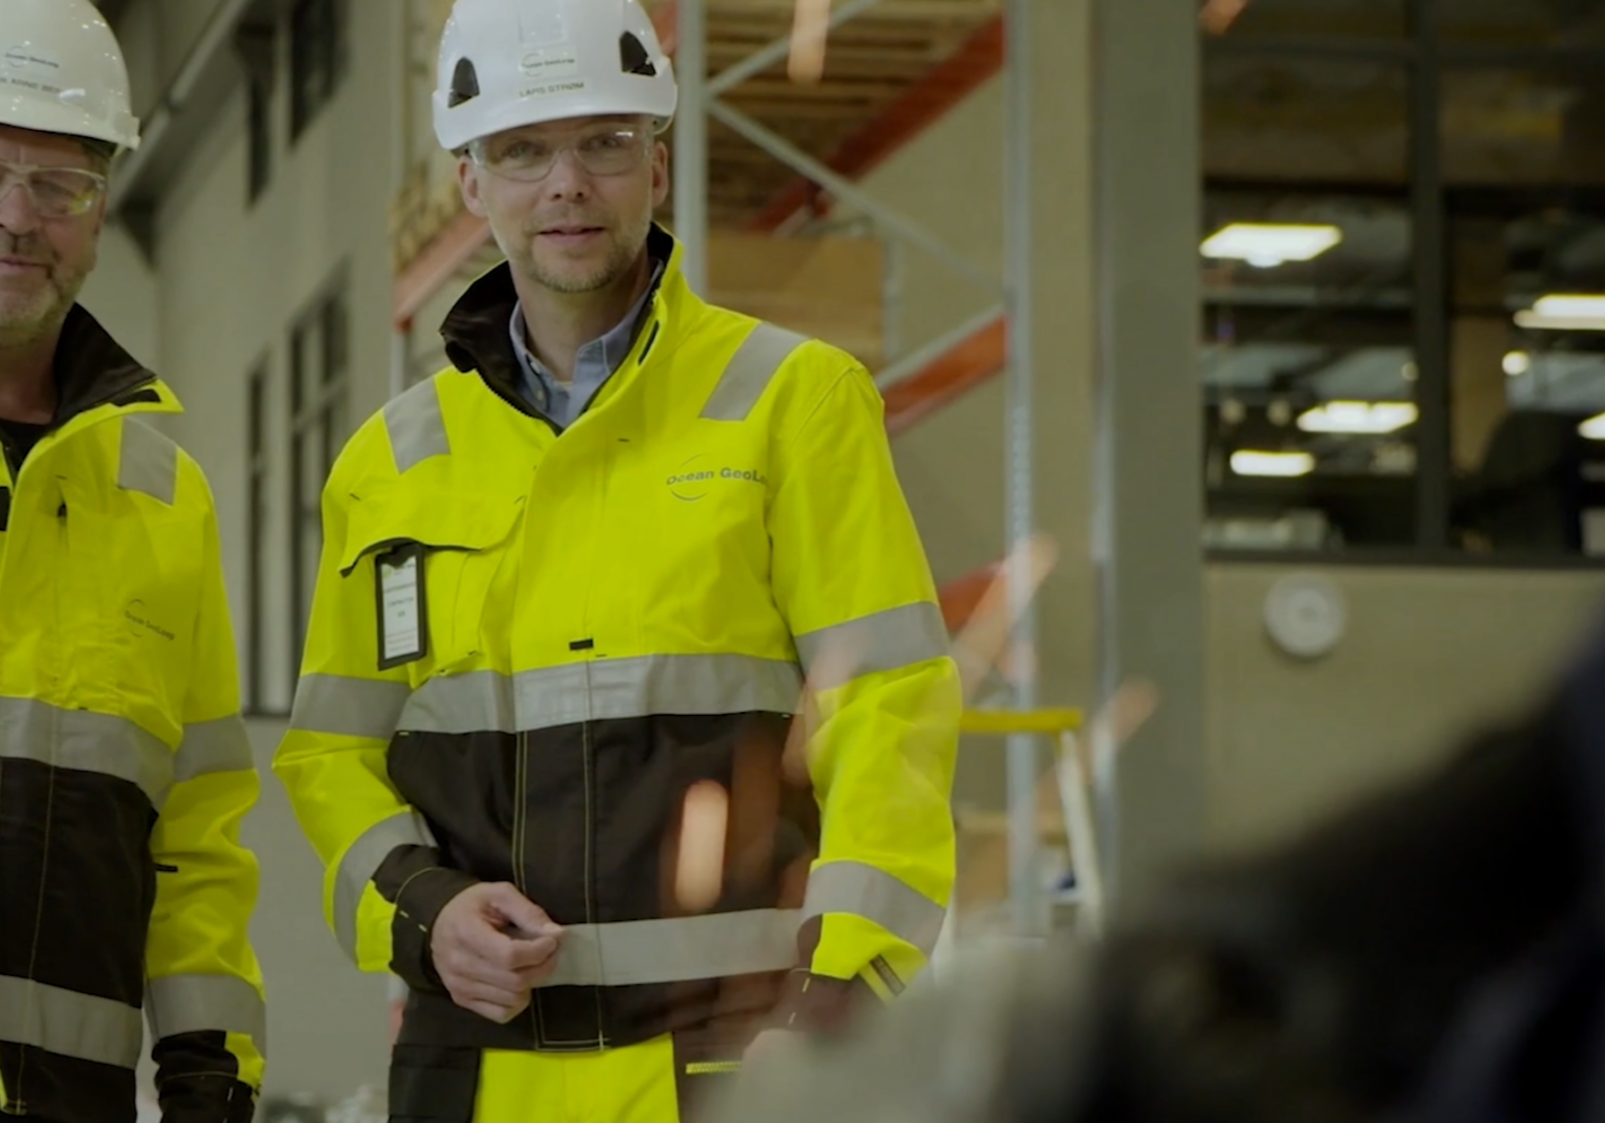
(61, 71)
(508, 63)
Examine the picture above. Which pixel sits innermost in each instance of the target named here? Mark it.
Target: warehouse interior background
(1386, 411)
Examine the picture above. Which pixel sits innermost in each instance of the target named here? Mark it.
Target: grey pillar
(1148, 483)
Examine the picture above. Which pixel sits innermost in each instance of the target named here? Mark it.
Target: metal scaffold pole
(691, 144)
(1025, 888)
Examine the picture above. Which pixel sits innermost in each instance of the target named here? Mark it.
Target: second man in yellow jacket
(572, 587)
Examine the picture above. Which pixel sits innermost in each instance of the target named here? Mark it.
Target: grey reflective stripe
(863, 890)
(69, 1024)
(899, 637)
(362, 860)
(213, 746)
(86, 742)
(416, 428)
(750, 371)
(484, 702)
(148, 463)
(348, 707)
(195, 1003)
(676, 950)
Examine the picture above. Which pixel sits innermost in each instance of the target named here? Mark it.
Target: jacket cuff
(207, 1099)
(418, 904)
(821, 1005)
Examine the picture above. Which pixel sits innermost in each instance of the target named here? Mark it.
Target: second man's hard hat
(509, 63)
(61, 71)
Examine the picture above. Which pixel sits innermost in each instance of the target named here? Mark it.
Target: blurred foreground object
(1436, 953)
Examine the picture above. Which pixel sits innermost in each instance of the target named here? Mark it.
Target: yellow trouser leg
(633, 1085)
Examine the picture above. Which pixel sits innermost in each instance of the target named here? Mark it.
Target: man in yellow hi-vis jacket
(124, 765)
(570, 593)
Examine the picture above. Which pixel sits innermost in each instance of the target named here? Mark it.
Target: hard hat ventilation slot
(464, 83)
(633, 57)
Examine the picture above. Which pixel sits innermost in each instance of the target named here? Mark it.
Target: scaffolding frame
(700, 99)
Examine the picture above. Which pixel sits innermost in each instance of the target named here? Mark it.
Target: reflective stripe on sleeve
(196, 1003)
(362, 860)
(213, 746)
(862, 890)
(884, 641)
(342, 706)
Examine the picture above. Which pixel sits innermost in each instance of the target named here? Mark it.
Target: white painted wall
(227, 281)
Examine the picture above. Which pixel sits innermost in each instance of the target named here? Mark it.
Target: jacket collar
(93, 370)
(475, 330)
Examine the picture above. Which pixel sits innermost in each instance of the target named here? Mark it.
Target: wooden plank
(828, 288)
(921, 106)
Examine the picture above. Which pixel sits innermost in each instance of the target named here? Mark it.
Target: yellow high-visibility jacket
(526, 645)
(124, 767)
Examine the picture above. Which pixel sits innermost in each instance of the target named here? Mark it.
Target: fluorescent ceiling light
(1571, 307)
(1593, 428)
(1518, 363)
(1249, 462)
(1270, 244)
(1534, 321)
(1370, 418)
(1562, 312)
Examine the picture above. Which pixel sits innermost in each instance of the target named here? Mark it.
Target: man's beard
(625, 252)
(28, 316)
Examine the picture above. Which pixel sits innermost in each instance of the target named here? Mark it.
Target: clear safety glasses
(54, 192)
(613, 150)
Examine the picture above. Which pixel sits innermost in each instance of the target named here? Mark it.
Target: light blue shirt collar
(594, 364)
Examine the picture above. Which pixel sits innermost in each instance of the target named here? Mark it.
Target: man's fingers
(532, 977)
(470, 970)
(501, 1015)
(527, 954)
(469, 990)
(519, 913)
(498, 1005)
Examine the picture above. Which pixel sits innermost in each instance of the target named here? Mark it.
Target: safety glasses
(612, 150)
(54, 192)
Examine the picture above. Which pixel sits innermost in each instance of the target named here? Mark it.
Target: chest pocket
(128, 594)
(458, 542)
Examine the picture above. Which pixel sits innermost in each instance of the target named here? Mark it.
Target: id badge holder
(403, 612)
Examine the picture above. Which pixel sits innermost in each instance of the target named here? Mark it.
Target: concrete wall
(1427, 655)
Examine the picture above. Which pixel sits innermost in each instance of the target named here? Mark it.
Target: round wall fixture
(1306, 615)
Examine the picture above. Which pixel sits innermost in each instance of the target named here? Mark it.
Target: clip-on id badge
(403, 613)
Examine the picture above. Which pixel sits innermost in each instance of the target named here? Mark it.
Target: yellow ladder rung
(1021, 721)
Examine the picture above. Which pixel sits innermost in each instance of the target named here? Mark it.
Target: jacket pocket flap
(432, 519)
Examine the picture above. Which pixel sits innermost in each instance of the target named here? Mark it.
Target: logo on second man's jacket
(696, 478)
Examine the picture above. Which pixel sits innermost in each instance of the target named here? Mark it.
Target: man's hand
(770, 1043)
(491, 945)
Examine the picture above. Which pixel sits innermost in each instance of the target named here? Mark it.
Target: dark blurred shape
(1436, 953)
(1534, 487)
